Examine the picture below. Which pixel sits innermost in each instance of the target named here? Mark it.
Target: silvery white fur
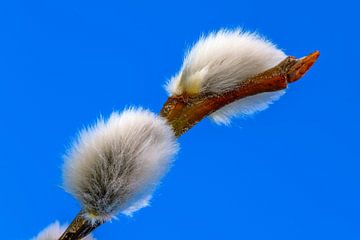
(223, 60)
(115, 165)
(54, 232)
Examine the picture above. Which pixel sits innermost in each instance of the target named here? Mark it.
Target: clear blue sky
(291, 172)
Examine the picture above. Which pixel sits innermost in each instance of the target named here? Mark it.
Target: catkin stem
(79, 228)
(184, 111)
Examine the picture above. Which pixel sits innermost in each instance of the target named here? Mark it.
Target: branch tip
(301, 66)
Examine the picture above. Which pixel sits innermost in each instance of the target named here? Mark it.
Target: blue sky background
(291, 172)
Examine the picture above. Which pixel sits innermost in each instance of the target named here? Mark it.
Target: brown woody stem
(184, 111)
(79, 228)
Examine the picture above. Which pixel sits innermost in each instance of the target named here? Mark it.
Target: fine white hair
(115, 165)
(54, 232)
(221, 61)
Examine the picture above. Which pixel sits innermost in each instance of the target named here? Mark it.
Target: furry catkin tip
(115, 165)
(54, 232)
(220, 62)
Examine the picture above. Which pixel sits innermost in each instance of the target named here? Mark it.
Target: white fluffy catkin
(115, 165)
(223, 60)
(54, 232)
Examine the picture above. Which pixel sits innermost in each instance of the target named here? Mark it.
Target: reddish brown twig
(184, 111)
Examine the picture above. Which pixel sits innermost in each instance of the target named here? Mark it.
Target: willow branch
(79, 228)
(184, 111)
